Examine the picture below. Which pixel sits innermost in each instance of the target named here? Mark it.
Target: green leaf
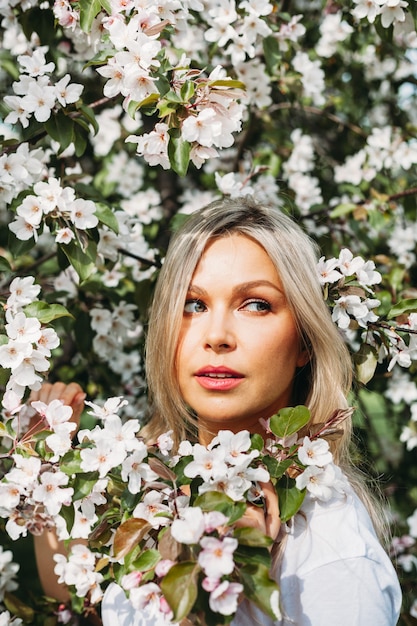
(128, 535)
(257, 442)
(179, 587)
(18, 608)
(68, 513)
(89, 9)
(252, 556)
(187, 90)
(106, 6)
(70, 463)
(178, 152)
(61, 128)
(342, 209)
(250, 536)
(4, 265)
(172, 96)
(40, 21)
(88, 113)
(18, 247)
(289, 497)
(289, 421)
(233, 84)
(45, 312)
(365, 363)
(275, 467)
(403, 307)
(80, 138)
(179, 470)
(147, 560)
(83, 485)
(80, 261)
(218, 501)
(10, 67)
(272, 53)
(146, 103)
(107, 217)
(260, 588)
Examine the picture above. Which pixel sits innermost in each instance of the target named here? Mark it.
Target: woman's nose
(219, 333)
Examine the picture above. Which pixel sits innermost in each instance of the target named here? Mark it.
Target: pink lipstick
(218, 378)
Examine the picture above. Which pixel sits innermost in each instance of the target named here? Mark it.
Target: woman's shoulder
(333, 558)
(340, 528)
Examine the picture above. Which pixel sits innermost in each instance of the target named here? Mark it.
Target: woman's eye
(194, 306)
(258, 306)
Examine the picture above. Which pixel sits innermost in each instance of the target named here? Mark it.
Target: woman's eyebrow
(197, 290)
(241, 288)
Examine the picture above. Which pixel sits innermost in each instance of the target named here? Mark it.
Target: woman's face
(239, 346)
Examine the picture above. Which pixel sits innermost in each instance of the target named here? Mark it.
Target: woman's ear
(303, 358)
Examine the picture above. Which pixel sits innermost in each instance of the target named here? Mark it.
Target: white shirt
(334, 573)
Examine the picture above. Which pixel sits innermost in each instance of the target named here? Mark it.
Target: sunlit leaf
(107, 216)
(257, 442)
(178, 153)
(233, 84)
(342, 209)
(366, 362)
(217, 501)
(89, 9)
(179, 587)
(403, 307)
(80, 261)
(45, 312)
(147, 560)
(128, 535)
(289, 421)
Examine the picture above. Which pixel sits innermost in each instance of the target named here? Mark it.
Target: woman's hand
(72, 395)
(265, 518)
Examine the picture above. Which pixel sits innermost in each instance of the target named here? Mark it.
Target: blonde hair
(322, 385)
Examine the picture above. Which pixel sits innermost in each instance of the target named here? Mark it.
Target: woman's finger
(265, 518)
(271, 510)
(70, 394)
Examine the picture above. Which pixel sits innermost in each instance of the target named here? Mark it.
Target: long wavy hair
(322, 384)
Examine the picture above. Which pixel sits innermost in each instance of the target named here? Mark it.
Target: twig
(156, 264)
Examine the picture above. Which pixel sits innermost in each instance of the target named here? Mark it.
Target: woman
(238, 330)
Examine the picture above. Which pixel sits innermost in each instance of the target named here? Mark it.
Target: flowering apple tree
(119, 118)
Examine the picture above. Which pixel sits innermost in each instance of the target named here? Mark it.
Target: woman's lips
(218, 378)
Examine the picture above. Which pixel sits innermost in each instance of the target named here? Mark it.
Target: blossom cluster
(57, 205)
(347, 282)
(34, 93)
(167, 511)
(391, 11)
(27, 345)
(385, 149)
